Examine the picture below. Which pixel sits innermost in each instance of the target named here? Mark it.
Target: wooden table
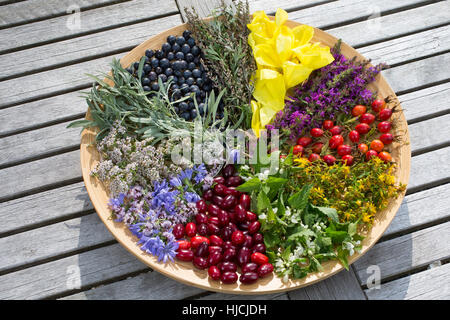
(53, 245)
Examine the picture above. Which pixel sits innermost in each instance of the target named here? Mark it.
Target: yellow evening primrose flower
(285, 58)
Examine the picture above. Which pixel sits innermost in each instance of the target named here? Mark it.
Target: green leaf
(271, 239)
(329, 212)
(275, 184)
(342, 257)
(299, 200)
(263, 203)
(336, 236)
(299, 272)
(352, 228)
(303, 232)
(80, 123)
(250, 185)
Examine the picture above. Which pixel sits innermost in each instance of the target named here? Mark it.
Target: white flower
(264, 175)
(285, 278)
(245, 167)
(262, 216)
(349, 246)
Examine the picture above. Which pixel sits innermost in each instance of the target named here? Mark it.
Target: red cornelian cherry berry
(316, 132)
(327, 124)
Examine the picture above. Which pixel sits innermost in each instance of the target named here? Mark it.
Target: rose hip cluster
(334, 137)
(224, 234)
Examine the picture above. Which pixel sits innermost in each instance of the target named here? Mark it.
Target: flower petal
(265, 55)
(303, 34)
(256, 123)
(314, 56)
(281, 17)
(284, 42)
(295, 73)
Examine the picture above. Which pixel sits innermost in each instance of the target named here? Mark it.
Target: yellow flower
(284, 58)
(302, 162)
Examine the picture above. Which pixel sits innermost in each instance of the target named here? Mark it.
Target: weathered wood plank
(203, 8)
(270, 7)
(426, 103)
(429, 168)
(94, 20)
(421, 208)
(75, 49)
(71, 273)
(401, 49)
(433, 284)
(32, 10)
(405, 253)
(393, 25)
(416, 74)
(53, 240)
(42, 112)
(44, 207)
(36, 143)
(342, 286)
(347, 11)
(424, 135)
(33, 176)
(150, 285)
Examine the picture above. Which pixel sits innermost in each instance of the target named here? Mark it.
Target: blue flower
(167, 251)
(175, 182)
(151, 245)
(201, 173)
(186, 174)
(136, 229)
(116, 203)
(191, 197)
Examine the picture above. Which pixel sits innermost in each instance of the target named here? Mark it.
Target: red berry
(258, 238)
(214, 219)
(329, 159)
(385, 114)
(213, 229)
(298, 150)
(219, 179)
(265, 269)
(317, 147)
(233, 181)
(202, 250)
(227, 266)
(201, 218)
(316, 132)
(259, 247)
(370, 154)
(197, 240)
(254, 227)
(229, 201)
(248, 242)
(214, 273)
(353, 136)
(244, 256)
(313, 157)
(251, 216)
(183, 244)
(191, 229)
(384, 126)
(336, 141)
(178, 231)
(362, 128)
(248, 277)
(327, 124)
(228, 171)
(214, 258)
(250, 267)
(219, 189)
(213, 210)
(378, 105)
(367, 118)
(259, 258)
(240, 213)
(363, 148)
(245, 201)
(200, 262)
(348, 159)
(215, 241)
(202, 229)
(304, 141)
(208, 194)
(344, 149)
(385, 156)
(335, 130)
(185, 255)
(229, 277)
(237, 238)
(387, 138)
(377, 145)
(358, 110)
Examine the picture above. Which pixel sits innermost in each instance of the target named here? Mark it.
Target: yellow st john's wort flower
(285, 58)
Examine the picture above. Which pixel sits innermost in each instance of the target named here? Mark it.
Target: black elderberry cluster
(178, 60)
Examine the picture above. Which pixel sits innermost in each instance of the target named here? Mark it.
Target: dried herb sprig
(227, 56)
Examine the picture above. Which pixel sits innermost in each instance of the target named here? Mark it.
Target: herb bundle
(228, 56)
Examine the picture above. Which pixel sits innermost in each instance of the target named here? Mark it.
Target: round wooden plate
(185, 272)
